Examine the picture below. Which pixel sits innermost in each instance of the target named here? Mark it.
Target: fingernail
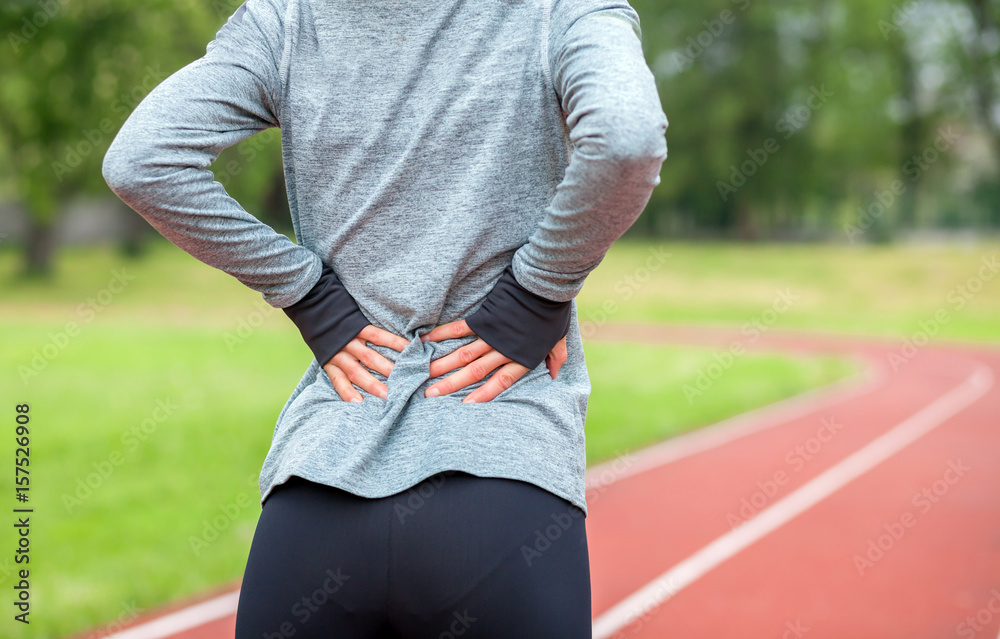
(468, 401)
(384, 394)
(356, 399)
(433, 392)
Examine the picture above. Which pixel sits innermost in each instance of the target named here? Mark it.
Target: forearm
(617, 128)
(158, 165)
(616, 125)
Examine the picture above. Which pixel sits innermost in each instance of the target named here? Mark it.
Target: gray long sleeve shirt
(429, 147)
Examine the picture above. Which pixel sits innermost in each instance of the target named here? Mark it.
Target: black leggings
(457, 555)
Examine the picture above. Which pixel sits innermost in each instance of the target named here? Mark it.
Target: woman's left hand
(478, 359)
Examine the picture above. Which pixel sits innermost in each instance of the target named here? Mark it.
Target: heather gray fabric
(427, 145)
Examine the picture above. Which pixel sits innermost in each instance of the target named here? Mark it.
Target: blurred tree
(77, 71)
(72, 74)
(954, 49)
(784, 114)
(846, 92)
(983, 52)
(980, 59)
(774, 108)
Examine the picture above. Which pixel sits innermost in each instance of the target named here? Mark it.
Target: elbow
(127, 171)
(119, 170)
(640, 143)
(628, 140)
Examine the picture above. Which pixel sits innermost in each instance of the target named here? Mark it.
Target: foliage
(785, 115)
(73, 72)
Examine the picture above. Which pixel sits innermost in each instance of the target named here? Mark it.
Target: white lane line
(185, 619)
(758, 419)
(834, 478)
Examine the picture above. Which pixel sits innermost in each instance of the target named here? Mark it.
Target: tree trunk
(39, 248)
(746, 225)
(986, 91)
(912, 136)
(276, 212)
(135, 230)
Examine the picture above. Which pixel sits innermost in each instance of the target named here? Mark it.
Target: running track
(807, 518)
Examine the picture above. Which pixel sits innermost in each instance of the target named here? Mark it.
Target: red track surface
(937, 573)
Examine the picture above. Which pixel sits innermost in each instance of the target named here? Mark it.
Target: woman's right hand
(350, 366)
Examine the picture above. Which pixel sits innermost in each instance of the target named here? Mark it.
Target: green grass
(630, 407)
(138, 437)
(873, 290)
(163, 336)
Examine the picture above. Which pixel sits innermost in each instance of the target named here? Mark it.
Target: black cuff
(328, 317)
(518, 323)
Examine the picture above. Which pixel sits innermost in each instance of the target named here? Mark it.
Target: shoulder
(254, 20)
(253, 34)
(565, 13)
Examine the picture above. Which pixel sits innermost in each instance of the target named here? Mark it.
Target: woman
(454, 169)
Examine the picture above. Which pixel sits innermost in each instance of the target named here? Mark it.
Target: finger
(553, 365)
(556, 358)
(367, 357)
(341, 384)
(501, 380)
(359, 375)
(471, 374)
(460, 357)
(451, 330)
(382, 337)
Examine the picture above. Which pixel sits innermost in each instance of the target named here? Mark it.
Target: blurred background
(846, 152)
(852, 94)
